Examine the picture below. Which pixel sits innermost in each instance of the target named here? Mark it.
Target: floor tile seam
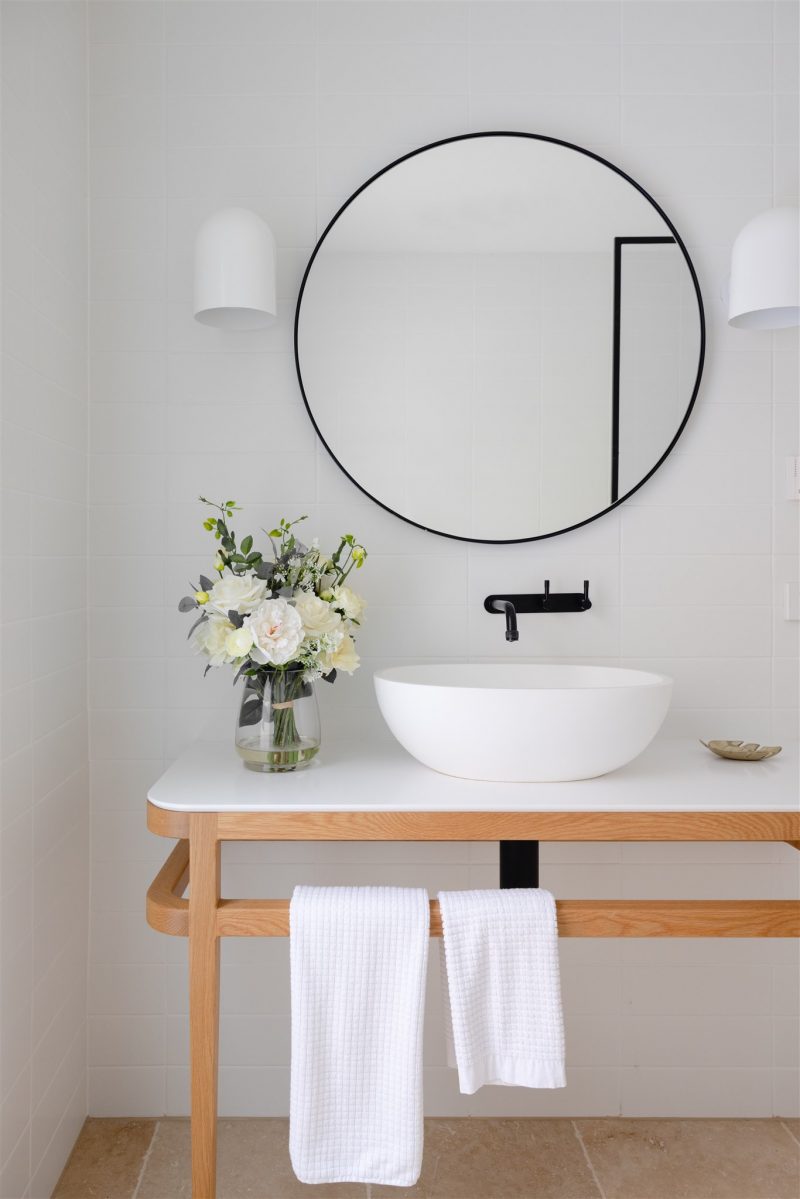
(590, 1164)
(145, 1161)
(786, 1127)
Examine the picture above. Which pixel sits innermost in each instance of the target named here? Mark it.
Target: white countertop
(358, 773)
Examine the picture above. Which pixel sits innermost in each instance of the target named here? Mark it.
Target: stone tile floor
(464, 1159)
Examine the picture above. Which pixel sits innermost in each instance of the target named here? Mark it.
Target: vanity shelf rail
(168, 912)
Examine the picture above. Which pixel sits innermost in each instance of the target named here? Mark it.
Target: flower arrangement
(281, 621)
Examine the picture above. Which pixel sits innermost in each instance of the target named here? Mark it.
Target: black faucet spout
(512, 633)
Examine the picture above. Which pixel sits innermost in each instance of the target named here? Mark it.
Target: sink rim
(403, 675)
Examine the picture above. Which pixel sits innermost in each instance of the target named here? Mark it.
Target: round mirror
(499, 337)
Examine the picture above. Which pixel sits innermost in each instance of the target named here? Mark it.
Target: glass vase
(278, 725)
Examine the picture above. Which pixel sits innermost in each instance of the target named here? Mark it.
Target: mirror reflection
(499, 337)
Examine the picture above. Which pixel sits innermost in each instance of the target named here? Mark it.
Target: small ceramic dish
(742, 751)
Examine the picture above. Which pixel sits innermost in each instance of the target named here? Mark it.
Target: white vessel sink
(522, 723)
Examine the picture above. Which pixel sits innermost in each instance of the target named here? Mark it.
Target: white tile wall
(44, 810)
(286, 107)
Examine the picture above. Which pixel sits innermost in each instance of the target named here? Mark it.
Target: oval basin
(522, 723)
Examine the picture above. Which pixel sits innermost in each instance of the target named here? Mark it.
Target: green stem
(286, 687)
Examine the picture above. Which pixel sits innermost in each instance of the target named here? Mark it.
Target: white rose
(342, 657)
(349, 602)
(210, 638)
(237, 593)
(277, 632)
(239, 642)
(317, 616)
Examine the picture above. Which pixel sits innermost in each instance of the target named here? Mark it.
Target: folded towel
(502, 993)
(358, 963)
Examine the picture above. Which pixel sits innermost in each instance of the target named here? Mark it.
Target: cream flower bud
(239, 642)
(201, 597)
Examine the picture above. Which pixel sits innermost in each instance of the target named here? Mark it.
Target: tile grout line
(786, 1128)
(145, 1161)
(589, 1162)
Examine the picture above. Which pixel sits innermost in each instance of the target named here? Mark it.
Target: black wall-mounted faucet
(546, 601)
(505, 605)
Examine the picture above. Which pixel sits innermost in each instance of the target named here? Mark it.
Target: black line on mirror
(619, 242)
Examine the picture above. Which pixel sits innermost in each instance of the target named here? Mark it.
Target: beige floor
(464, 1159)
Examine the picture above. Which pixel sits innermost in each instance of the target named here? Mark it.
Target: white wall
(44, 831)
(286, 108)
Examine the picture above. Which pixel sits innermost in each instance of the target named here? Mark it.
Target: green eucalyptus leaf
(199, 621)
(247, 544)
(251, 711)
(187, 604)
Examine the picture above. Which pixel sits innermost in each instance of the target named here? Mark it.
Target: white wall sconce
(234, 271)
(765, 272)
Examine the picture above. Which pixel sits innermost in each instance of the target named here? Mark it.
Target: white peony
(211, 638)
(317, 616)
(239, 641)
(344, 657)
(277, 631)
(237, 593)
(349, 602)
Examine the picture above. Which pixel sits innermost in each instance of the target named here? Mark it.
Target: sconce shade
(765, 272)
(234, 271)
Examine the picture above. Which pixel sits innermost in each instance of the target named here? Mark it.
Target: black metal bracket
(519, 864)
(546, 601)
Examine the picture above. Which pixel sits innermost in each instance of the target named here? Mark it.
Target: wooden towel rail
(169, 913)
(206, 917)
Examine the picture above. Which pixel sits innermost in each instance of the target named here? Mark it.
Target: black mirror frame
(700, 311)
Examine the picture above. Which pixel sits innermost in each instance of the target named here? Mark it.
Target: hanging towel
(358, 963)
(502, 989)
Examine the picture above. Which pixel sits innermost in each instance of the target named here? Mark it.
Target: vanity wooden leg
(204, 876)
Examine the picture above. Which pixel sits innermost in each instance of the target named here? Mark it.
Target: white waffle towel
(502, 994)
(358, 960)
